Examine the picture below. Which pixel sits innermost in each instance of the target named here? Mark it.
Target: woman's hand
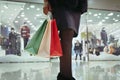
(46, 8)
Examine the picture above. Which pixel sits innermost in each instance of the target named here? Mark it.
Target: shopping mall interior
(98, 33)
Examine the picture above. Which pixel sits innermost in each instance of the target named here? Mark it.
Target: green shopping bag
(34, 43)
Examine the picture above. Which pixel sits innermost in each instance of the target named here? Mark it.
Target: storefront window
(94, 25)
(103, 34)
(13, 16)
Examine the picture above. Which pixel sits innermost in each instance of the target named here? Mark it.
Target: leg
(25, 42)
(80, 56)
(65, 61)
(76, 55)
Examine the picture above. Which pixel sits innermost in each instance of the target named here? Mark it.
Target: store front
(99, 31)
(16, 15)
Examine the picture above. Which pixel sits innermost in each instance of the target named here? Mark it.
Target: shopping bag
(33, 45)
(50, 45)
(44, 49)
(55, 46)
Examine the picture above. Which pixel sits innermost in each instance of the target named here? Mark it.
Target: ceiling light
(28, 8)
(38, 9)
(90, 20)
(110, 14)
(103, 20)
(25, 18)
(28, 21)
(89, 13)
(31, 23)
(106, 17)
(5, 6)
(2, 11)
(95, 14)
(22, 15)
(32, 6)
(16, 21)
(41, 21)
(38, 15)
(100, 23)
(99, 14)
(22, 8)
(33, 26)
(0, 23)
(18, 17)
(116, 20)
(118, 15)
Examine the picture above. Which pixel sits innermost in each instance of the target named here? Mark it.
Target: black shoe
(62, 77)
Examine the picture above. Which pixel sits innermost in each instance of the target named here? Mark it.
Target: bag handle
(49, 16)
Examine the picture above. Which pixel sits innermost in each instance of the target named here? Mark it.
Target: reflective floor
(93, 70)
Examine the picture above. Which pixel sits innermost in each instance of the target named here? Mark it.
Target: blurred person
(78, 49)
(13, 41)
(104, 36)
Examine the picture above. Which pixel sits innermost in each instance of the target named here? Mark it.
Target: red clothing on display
(25, 32)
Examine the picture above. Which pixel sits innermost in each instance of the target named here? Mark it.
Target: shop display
(99, 30)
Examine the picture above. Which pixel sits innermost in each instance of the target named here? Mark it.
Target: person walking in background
(78, 49)
(12, 41)
(67, 14)
(25, 33)
(104, 36)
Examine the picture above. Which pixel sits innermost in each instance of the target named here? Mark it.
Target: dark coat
(104, 36)
(12, 40)
(74, 5)
(78, 46)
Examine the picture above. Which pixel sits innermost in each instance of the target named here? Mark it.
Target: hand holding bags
(49, 42)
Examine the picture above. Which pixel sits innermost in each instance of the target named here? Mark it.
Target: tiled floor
(93, 70)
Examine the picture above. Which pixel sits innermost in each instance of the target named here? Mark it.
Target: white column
(22, 46)
(84, 56)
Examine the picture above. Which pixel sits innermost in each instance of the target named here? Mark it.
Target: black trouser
(25, 41)
(78, 52)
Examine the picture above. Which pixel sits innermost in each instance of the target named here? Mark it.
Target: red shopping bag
(55, 46)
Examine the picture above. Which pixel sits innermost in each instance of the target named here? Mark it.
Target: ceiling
(14, 14)
(101, 13)
(96, 4)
